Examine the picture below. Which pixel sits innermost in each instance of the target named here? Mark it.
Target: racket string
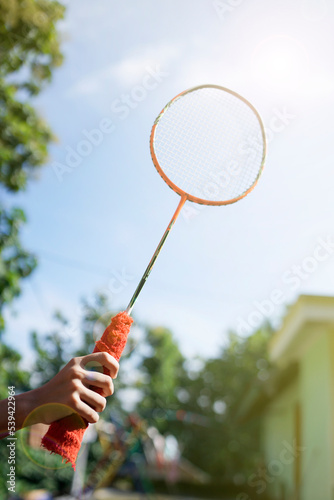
(209, 144)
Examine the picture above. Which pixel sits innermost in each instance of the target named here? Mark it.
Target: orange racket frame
(185, 196)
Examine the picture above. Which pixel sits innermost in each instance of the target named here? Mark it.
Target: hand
(67, 392)
(71, 390)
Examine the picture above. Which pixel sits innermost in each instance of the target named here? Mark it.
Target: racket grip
(64, 436)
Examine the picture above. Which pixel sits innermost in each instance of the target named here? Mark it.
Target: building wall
(278, 441)
(316, 416)
(303, 417)
(331, 428)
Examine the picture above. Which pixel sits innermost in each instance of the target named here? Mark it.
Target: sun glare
(280, 63)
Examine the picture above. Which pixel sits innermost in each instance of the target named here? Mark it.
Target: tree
(231, 448)
(160, 371)
(15, 262)
(29, 51)
(11, 374)
(53, 351)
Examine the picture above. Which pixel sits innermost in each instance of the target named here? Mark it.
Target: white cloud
(126, 72)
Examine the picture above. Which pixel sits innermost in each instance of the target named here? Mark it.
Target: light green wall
(278, 435)
(314, 390)
(331, 416)
(315, 394)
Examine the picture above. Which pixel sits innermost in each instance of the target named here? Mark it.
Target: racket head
(197, 127)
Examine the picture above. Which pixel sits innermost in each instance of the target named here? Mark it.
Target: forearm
(23, 406)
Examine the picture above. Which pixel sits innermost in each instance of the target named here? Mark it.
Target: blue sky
(95, 226)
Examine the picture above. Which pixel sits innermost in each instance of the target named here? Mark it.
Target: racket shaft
(155, 256)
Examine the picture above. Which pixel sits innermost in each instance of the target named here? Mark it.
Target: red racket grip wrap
(64, 436)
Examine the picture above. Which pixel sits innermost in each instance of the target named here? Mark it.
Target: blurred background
(232, 347)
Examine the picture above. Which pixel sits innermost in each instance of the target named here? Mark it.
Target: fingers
(86, 412)
(72, 386)
(100, 380)
(93, 399)
(86, 401)
(98, 359)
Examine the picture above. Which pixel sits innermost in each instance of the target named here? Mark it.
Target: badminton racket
(209, 146)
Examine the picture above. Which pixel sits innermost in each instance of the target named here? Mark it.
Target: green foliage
(11, 374)
(160, 371)
(29, 39)
(15, 262)
(225, 447)
(96, 316)
(31, 476)
(53, 352)
(24, 139)
(199, 400)
(29, 51)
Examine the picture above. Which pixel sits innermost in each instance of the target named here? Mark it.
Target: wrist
(25, 405)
